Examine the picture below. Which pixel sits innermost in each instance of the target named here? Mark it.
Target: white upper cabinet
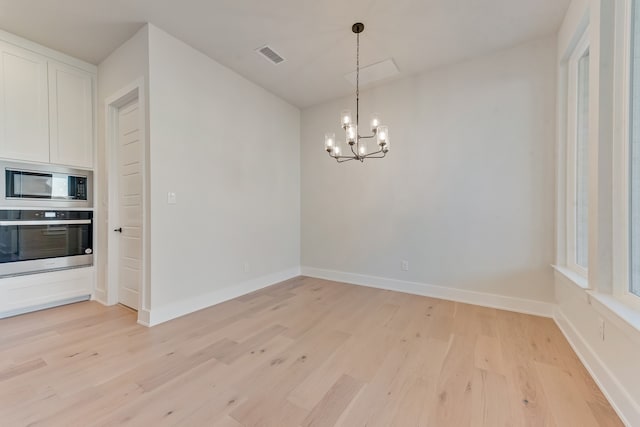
(70, 115)
(47, 105)
(24, 116)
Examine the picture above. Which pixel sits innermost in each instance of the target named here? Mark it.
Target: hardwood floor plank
(490, 400)
(335, 401)
(22, 368)
(488, 354)
(270, 386)
(604, 415)
(251, 343)
(527, 394)
(455, 384)
(565, 399)
(224, 396)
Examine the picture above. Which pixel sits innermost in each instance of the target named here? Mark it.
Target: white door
(24, 109)
(71, 115)
(130, 156)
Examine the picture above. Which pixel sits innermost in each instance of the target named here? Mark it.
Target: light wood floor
(305, 352)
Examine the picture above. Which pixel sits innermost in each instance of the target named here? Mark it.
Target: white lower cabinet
(31, 292)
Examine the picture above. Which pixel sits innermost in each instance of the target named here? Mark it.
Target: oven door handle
(45, 222)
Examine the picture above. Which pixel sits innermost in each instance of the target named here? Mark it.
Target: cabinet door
(24, 116)
(70, 115)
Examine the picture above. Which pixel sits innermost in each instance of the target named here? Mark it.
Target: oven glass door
(33, 242)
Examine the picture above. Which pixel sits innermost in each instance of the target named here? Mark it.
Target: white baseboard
(167, 312)
(143, 317)
(44, 306)
(100, 295)
(520, 305)
(623, 403)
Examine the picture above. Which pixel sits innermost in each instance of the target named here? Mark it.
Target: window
(634, 152)
(578, 158)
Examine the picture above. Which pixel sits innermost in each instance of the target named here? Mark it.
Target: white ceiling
(314, 36)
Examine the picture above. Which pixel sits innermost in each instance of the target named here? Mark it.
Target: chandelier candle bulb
(383, 135)
(345, 118)
(329, 141)
(351, 134)
(375, 122)
(362, 149)
(336, 151)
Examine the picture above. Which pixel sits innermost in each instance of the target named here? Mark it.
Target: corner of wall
(501, 302)
(156, 316)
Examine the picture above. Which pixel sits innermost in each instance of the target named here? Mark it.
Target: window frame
(621, 146)
(581, 48)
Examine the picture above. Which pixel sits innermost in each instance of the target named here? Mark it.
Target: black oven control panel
(43, 215)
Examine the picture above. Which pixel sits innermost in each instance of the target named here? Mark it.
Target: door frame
(122, 97)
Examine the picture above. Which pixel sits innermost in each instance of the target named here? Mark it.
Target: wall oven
(31, 185)
(44, 240)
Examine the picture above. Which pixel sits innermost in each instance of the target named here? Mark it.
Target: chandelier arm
(351, 146)
(348, 159)
(342, 157)
(367, 137)
(375, 152)
(372, 155)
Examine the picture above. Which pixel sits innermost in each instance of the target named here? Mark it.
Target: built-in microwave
(42, 186)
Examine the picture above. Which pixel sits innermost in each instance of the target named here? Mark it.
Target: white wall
(466, 194)
(230, 150)
(122, 67)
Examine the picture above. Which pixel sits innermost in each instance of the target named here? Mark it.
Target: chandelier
(358, 144)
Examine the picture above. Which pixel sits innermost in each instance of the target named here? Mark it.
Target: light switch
(171, 198)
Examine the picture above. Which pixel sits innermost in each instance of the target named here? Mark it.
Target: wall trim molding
(155, 316)
(520, 305)
(143, 317)
(621, 401)
(100, 296)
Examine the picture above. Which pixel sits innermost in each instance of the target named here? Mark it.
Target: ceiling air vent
(270, 55)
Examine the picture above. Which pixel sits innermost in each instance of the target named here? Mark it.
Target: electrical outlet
(404, 265)
(601, 328)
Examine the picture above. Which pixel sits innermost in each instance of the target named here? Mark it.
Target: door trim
(134, 90)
